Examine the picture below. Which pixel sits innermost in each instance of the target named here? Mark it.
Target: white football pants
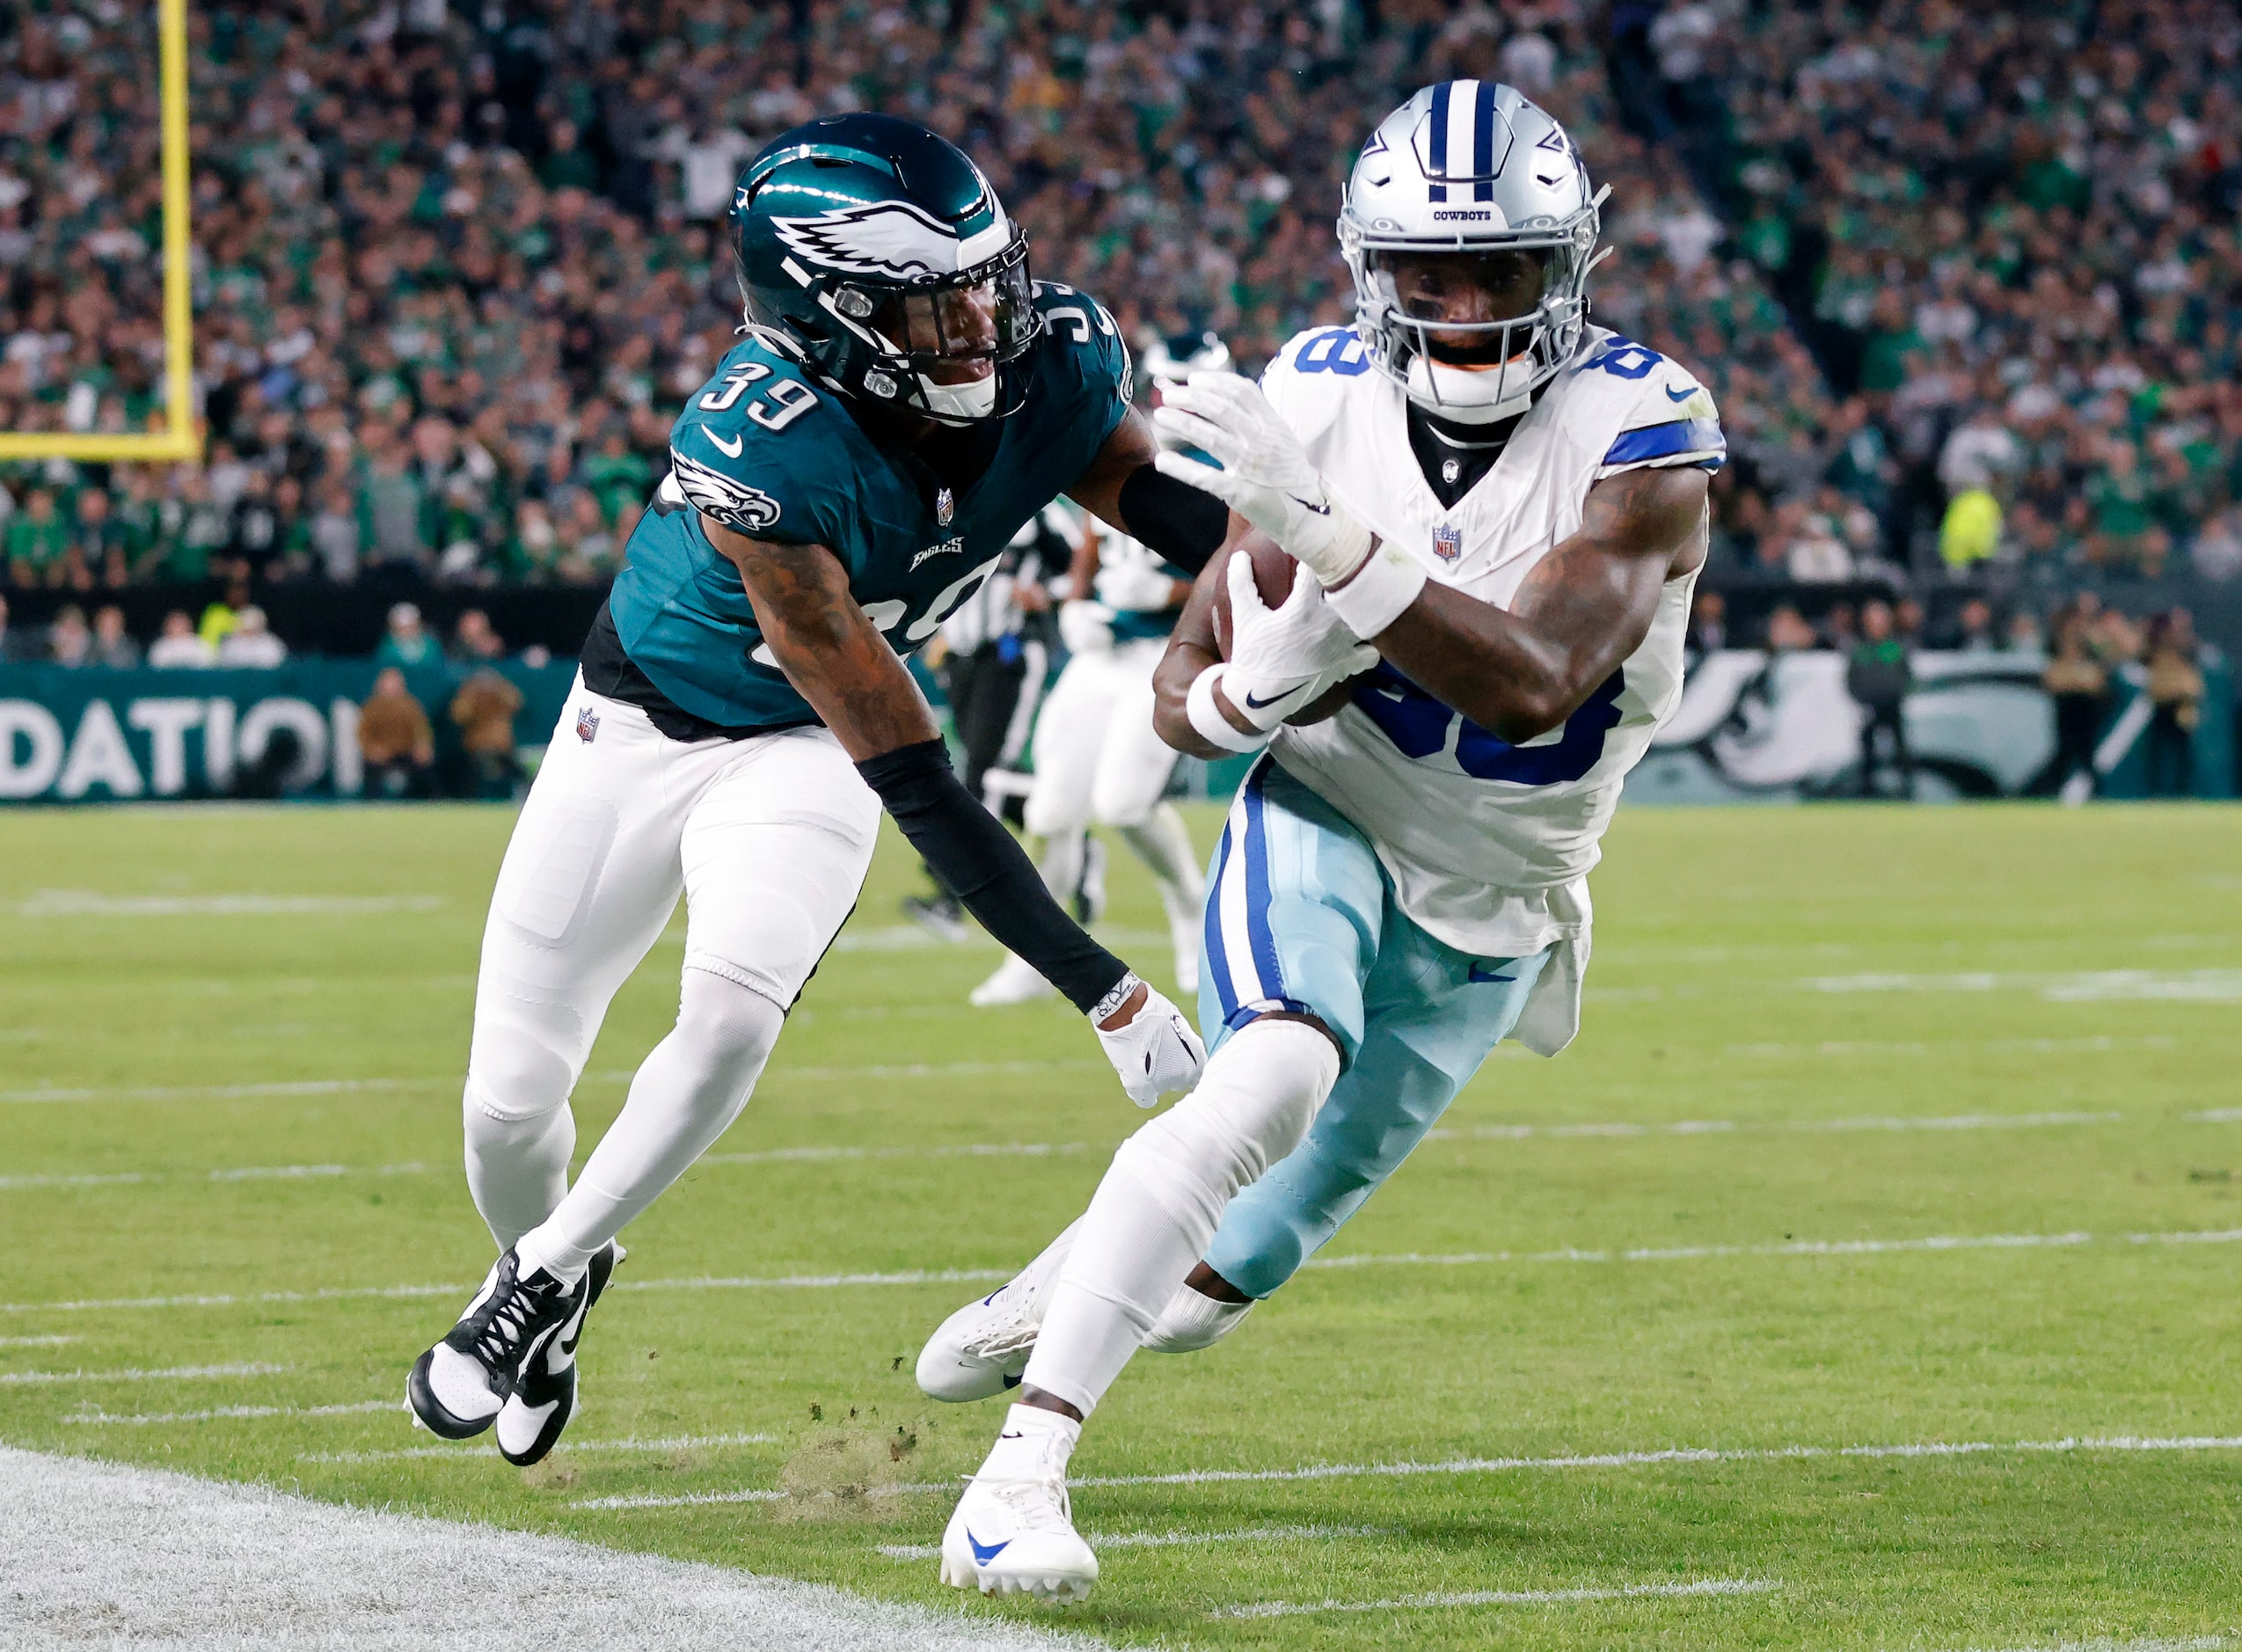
(768, 839)
(1099, 760)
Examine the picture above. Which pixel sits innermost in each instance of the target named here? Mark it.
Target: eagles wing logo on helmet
(733, 503)
(892, 238)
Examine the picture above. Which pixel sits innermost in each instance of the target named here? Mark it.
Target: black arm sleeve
(970, 851)
(1174, 518)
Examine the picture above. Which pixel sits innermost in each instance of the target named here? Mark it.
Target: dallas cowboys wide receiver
(903, 401)
(1510, 505)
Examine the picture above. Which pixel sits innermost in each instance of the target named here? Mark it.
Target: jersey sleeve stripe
(1668, 441)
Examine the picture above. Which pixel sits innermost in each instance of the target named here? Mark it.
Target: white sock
(1163, 843)
(1163, 1197)
(1191, 1321)
(1034, 1442)
(685, 1095)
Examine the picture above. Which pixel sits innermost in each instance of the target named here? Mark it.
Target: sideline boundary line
(1710, 1586)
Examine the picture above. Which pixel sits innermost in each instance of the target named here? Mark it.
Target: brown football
(1273, 576)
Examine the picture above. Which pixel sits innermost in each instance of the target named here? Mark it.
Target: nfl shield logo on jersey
(944, 508)
(588, 723)
(1448, 543)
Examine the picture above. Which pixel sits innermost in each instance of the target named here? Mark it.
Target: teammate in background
(1096, 757)
(1510, 505)
(903, 401)
(995, 657)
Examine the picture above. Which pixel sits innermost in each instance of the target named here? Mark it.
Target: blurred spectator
(1811, 550)
(2175, 691)
(181, 645)
(68, 641)
(407, 642)
(1879, 676)
(2077, 681)
(484, 709)
(2217, 552)
(333, 536)
(250, 644)
(220, 618)
(1788, 631)
(1973, 631)
(38, 542)
(395, 739)
(113, 645)
(1708, 622)
(473, 642)
(1970, 532)
(97, 547)
(13, 644)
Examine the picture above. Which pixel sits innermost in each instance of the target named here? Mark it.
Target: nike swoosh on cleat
(730, 450)
(1681, 395)
(1323, 509)
(983, 1553)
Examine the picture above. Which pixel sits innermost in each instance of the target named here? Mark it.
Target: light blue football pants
(1301, 916)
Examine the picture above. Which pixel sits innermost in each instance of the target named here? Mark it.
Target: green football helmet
(877, 254)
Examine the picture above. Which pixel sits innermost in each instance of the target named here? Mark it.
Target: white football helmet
(1471, 167)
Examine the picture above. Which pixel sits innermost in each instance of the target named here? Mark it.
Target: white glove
(1280, 658)
(1137, 586)
(1085, 627)
(1157, 1051)
(1267, 477)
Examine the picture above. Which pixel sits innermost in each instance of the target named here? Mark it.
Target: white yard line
(1172, 1539)
(1676, 1455)
(223, 1092)
(169, 1374)
(1714, 1586)
(2085, 986)
(87, 904)
(38, 1341)
(141, 1557)
(2096, 1044)
(1933, 1243)
(1617, 1128)
(467, 1449)
(229, 1413)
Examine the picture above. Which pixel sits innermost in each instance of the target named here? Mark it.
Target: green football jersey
(763, 450)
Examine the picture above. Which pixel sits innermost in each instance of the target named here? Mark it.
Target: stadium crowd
(457, 263)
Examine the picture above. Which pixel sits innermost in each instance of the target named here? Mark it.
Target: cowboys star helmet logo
(890, 238)
(734, 503)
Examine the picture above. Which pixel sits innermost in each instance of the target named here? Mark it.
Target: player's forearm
(1180, 667)
(1489, 665)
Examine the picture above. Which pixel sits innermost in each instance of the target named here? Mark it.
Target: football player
(903, 400)
(1096, 757)
(1509, 505)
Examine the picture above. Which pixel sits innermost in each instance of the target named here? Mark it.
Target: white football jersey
(1489, 845)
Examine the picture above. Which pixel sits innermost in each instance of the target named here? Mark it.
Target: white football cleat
(1012, 1532)
(1015, 982)
(457, 1389)
(983, 1348)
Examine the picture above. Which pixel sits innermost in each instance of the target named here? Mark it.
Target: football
(1273, 575)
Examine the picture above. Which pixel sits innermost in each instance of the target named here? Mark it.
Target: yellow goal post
(178, 439)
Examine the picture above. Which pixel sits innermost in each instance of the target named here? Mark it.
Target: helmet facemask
(939, 347)
(1486, 368)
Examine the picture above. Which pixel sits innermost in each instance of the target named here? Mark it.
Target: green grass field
(1814, 1039)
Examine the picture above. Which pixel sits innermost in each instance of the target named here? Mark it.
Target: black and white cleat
(544, 1399)
(458, 1388)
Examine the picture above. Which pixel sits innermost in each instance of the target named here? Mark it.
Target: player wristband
(1375, 597)
(1207, 721)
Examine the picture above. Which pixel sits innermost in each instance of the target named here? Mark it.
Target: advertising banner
(96, 735)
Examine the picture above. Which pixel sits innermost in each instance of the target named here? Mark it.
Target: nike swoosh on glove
(1157, 1051)
(1266, 475)
(1280, 658)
